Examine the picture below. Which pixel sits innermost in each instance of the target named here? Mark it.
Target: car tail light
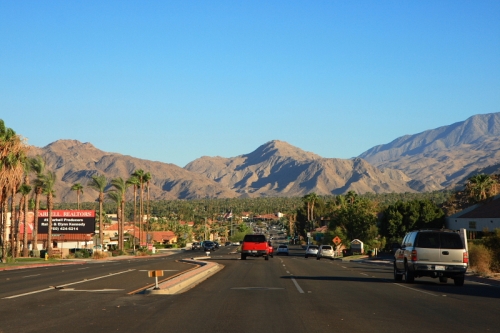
(466, 257)
(414, 255)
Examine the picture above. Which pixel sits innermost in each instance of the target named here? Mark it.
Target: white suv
(435, 253)
(325, 251)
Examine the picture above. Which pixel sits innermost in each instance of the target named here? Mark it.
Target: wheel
(397, 276)
(306, 256)
(287, 253)
(443, 279)
(459, 280)
(266, 257)
(317, 258)
(409, 276)
(243, 256)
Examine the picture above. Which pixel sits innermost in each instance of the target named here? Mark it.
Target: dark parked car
(209, 246)
(216, 245)
(196, 246)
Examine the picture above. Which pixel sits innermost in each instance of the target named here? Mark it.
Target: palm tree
(99, 183)
(49, 181)
(38, 167)
(116, 198)
(25, 190)
(140, 174)
(79, 190)
(120, 188)
(12, 153)
(134, 181)
(480, 186)
(147, 178)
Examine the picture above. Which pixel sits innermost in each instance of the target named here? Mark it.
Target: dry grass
(480, 259)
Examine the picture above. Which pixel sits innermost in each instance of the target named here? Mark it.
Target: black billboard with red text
(67, 221)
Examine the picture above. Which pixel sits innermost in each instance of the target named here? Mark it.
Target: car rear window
(451, 241)
(282, 246)
(314, 247)
(254, 238)
(326, 247)
(436, 240)
(428, 240)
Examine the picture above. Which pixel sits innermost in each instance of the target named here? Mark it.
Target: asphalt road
(284, 294)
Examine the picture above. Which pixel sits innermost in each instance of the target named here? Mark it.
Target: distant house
(477, 218)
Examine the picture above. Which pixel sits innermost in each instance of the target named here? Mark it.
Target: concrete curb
(187, 280)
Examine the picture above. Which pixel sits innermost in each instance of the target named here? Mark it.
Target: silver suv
(311, 250)
(325, 251)
(435, 253)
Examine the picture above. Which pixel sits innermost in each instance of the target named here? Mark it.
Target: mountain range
(436, 159)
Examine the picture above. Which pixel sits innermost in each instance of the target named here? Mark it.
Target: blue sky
(172, 81)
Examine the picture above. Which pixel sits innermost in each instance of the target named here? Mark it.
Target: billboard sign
(67, 221)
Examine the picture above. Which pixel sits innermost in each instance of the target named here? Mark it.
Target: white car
(282, 249)
(325, 251)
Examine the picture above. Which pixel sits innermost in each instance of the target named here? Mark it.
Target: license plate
(439, 268)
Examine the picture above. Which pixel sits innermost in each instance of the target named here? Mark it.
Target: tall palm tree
(99, 183)
(38, 167)
(147, 179)
(79, 190)
(134, 181)
(140, 174)
(12, 151)
(120, 188)
(25, 190)
(49, 182)
(116, 198)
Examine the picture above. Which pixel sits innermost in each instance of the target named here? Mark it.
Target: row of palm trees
(16, 169)
(139, 180)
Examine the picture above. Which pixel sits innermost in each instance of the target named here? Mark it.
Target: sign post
(155, 274)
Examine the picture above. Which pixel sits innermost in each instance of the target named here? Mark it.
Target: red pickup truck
(255, 245)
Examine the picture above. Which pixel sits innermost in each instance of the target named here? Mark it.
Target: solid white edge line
(420, 291)
(297, 285)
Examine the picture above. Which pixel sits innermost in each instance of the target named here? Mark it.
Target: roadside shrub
(480, 259)
(491, 240)
(99, 254)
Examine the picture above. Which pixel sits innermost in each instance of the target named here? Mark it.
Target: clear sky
(172, 81)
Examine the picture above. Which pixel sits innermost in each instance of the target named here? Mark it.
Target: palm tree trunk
(49, 232)
(5, 235)
(25, 234)
(101, 231)
(34, 244)
(135, 212)
(141, 213)
(12, 223)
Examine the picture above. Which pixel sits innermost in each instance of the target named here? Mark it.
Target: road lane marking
(297, 285)
(91, 291)
(420, 291)
(30, 293)
(68, 284)
(31, 275)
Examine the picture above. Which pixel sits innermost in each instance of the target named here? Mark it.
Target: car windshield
(209, 243)
(283, 246)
